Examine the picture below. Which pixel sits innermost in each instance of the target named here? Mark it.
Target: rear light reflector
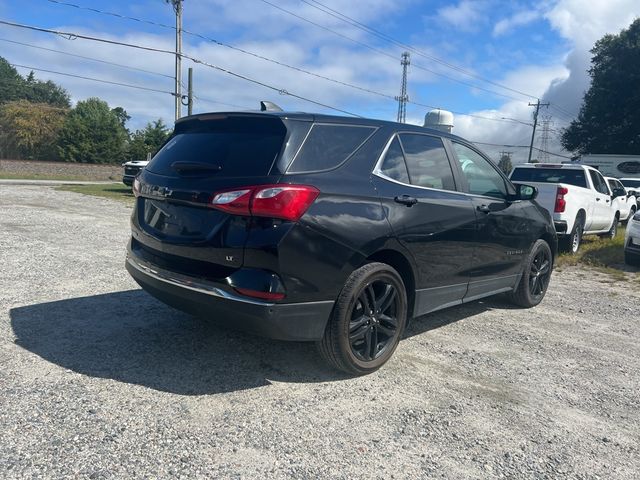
(561, 203)
(261, 295)
(288, 202)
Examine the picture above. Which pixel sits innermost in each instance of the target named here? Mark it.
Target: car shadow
(130, 337)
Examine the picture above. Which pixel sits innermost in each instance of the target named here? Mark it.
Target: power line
(386, 54)
(73, 36)
(520, 146)
(345, 18)
(85, 58)
(347, 84)
(139, 87)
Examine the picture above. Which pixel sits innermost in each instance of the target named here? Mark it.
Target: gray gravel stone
(98, 380)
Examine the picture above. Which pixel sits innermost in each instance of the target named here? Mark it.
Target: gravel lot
(99, 380)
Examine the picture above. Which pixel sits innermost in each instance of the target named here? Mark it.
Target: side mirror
(525, 192)
(618, 192)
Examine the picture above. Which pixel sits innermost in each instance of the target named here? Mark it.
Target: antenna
(403, 98)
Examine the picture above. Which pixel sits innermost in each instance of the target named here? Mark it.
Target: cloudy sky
(485, 60)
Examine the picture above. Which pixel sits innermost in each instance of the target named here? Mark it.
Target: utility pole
(535, 124)
(177, 8)
(190, 92)
(403, 98)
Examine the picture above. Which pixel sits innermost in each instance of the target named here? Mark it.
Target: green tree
(14, 87)
(29, 130)
(92, 133)
(609, 119)
(148, 140)
(505, 163)
(11, 83)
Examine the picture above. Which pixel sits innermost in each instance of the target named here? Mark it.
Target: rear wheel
(367, 320)
(632, 212)
(571, 243)
(535, 277)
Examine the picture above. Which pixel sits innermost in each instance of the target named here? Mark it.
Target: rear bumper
(128, 179)
(561, 226)
(282, 321)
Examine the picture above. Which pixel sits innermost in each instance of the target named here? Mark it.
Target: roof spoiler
(266, 106)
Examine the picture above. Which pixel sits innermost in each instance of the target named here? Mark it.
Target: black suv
(329, 229)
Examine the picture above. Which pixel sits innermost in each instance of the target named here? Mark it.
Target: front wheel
(535, 278)
(367, 320)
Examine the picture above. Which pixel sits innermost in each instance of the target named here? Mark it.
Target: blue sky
(538, 48)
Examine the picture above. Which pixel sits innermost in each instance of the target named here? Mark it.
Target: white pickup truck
(578, 198)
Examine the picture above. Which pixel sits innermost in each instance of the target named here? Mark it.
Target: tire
(571, 243)
(535, 277)
(632, 212)
(357, 341)
(611, 234)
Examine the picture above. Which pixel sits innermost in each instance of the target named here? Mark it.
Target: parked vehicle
(632, 241)
(577, 196)
(329, 229)
(131, 169)
(632, 185)
(625, 204)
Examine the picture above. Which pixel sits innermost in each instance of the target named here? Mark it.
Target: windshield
(631, 183)
(550, 175)
(236, 147)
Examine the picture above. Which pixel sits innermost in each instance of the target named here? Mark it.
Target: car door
(505, 229)
(603, 211)
(432, 220)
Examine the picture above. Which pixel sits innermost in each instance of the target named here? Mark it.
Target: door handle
(597, 199)
(608, 200)
(406, 200)
(483, 208)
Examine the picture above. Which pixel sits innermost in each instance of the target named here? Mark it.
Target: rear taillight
(561, 203)
(288, 202)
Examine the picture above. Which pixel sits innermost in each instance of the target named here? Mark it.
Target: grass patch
(114, 191)
(41, 176)
(606, 255)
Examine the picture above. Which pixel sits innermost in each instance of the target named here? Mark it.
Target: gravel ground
(80, 170)
(99, 380)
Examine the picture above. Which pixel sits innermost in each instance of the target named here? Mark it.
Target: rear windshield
(238, 147)
(550, 175)
(631, 183)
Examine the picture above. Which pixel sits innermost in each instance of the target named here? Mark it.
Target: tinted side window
(327, 146)
(598, 182)
(481, 175)
(393, 165)
(427, 162)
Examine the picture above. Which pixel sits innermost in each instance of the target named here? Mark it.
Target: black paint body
(446, 250)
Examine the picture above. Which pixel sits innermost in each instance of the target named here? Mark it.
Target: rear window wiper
(195, 166)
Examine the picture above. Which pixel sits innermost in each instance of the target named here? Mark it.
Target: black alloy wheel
(540, 273)
(374, 320)
(536, 276)
(367, 321)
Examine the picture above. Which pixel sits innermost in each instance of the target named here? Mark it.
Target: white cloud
(518, 19)
(466, 15)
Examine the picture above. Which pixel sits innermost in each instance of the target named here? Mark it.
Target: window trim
(510, 188)
(373, 129)
(378, 173)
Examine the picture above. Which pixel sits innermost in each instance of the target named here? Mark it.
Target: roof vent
(266, 106)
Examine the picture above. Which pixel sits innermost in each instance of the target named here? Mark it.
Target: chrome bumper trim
(183, 281)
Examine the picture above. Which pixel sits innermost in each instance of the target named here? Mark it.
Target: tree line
(37, 122)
